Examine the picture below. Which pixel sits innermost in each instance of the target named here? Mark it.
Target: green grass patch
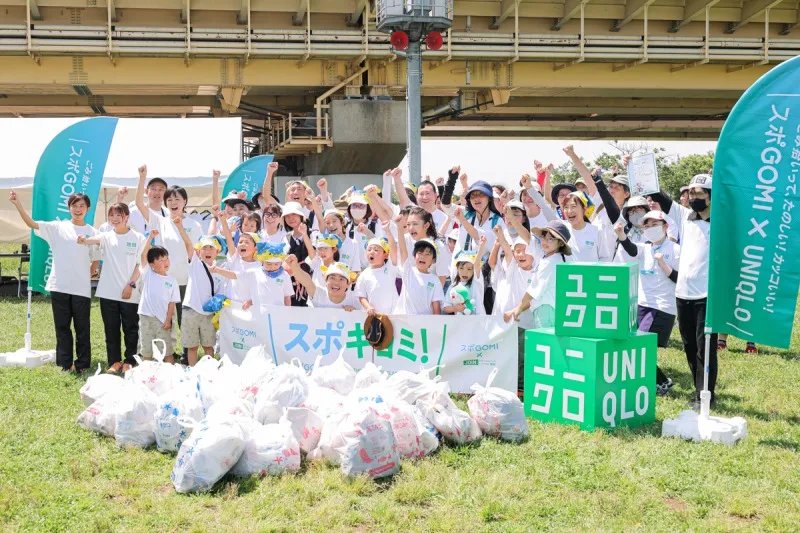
(56, 477)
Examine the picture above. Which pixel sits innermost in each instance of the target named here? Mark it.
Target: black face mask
(698, 204)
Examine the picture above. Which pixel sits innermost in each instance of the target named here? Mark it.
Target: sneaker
(722, 345)
(751, 348)
(662, 389)
(115, 368)
(519, 393)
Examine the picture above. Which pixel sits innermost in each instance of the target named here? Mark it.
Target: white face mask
(654, 234)
(358, 213)
(636, 219)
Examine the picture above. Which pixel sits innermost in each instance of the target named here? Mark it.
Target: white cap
(293, 208)
(701, 180)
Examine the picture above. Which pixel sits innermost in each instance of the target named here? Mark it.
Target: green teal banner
(248, 176)
(754, 267)
(74, 161)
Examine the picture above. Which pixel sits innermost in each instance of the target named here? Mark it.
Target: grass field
(57, 477)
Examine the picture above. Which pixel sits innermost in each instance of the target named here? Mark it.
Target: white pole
(705, 395)
(28, 331)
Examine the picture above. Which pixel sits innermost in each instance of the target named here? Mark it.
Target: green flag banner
(73, 162)
(754, 267)
(248, 176)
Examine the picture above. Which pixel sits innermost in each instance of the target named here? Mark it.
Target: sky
(504, 161)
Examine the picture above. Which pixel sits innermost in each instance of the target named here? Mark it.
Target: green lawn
(55, 476)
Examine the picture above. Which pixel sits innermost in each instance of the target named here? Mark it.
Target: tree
(564, 173)
(674, 173)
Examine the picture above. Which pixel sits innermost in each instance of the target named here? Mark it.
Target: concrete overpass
(317, 85)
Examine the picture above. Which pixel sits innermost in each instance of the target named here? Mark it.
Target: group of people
(483, 250)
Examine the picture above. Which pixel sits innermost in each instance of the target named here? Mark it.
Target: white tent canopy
(181, 151)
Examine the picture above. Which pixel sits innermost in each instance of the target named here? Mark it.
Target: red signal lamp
(399, 40)
(434, 40)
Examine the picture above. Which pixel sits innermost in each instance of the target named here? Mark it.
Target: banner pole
(705, 395)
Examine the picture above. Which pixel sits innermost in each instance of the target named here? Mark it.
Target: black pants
(70, 310)
(691, 323)
(118, 314)
(179, 310)
(661, 323)
(488, 291)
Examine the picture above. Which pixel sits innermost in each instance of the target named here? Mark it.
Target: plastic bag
(136, 417)
(99, 385)
(428, 435)
(270, 449)
(454, 424)
(177, 412)
(156, 375)
(324, 402)
(368, 376)
(338, 376)
(306, 426)
(101, 416)
(330, 440)
(498, 412)
(287, 386)
(368, 444)
(409, 387)
(256, 365)
(229, 408)
(207, 455)
(406, 433)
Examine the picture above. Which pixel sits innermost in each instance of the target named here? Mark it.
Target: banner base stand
(26, 356)
(697, 427)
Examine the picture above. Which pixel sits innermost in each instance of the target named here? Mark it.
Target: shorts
(197, 329)
(655, 321)
(150, 329)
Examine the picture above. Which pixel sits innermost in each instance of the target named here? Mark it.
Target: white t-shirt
(136, 220)
(239, 289)
(322, 300)
(476, 289)
(588, 244)
(121, 254)
(419, 291)
(656, 290)
(170, 238)
(71, 261)
(443, 256)
(198, 289)
(157, 293)
(350, 255)
(362, 240)
(317, 276)
(378, 286)
(276, 238)
(539, 221)
(542, 287)
(266, 290)
(439, 217)
(511, 288)
(484, 230)
(695, 242)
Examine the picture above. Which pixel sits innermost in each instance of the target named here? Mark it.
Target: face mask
(636, 219)
(358, 213)
(274, 274)
(654, 234)
(698, 204)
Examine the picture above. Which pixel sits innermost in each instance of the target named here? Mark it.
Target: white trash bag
(156, 375)
(368, 376)
(325, 402)
(330, 439)
(338, 375)
(256, 365)
(101, 416)
(269, 450)
(410, 387)
(455, 425)
(498, 412)
(368, 444)
(286, 386)
(207, 455)
(136, 417)
(306, 426)
(177, 412)
(99, 385)
(428, 434)
(229, 408)
(405, 429)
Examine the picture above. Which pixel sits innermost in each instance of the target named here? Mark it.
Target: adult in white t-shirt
(69, 279)
(156, 188)
(587, 241)
(120, 251)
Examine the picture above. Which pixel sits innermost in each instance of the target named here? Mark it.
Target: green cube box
(592, 383)
(597, 300)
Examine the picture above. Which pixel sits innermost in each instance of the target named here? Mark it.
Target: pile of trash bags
(259, 418)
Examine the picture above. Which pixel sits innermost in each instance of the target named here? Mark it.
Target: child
(658, 259)
(325, 254)
(248, 223)
(270, 285)
(376, 288)
(422, 290)
(553, 240)
(334, 294)
(468, 267)
(121, 250)
(293, 216)
(241, 261)
(348, 250)
(205, 281)
(157, 305)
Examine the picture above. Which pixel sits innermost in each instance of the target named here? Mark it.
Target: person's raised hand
(12, 197)
(302, 228)
(290, 261)
(215, 174)
(272, 168)
(142, 171)
(154, 233)
(178, 221)
(658, 256)
(362, 228)
(569, 150)
(537, 165)
(439, 181)
(397, 173)
(322, 185)
(619, 229)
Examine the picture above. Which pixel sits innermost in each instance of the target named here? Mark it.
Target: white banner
(467, 347)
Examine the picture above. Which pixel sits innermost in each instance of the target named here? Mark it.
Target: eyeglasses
(272, 215)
